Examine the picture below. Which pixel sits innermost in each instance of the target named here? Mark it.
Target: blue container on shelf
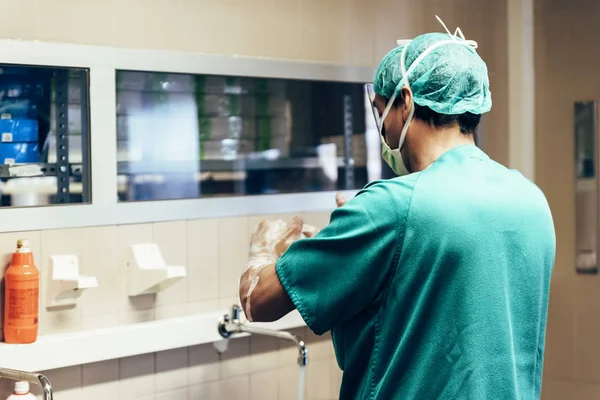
(18, 109)
(18, 130)
(19, 153)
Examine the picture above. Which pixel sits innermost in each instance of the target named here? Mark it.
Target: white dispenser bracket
(148, 272)
(65, 284)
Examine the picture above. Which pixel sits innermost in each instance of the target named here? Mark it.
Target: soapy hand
(270, 240)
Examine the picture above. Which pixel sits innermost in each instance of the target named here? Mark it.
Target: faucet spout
(231, 324)
(36, 378)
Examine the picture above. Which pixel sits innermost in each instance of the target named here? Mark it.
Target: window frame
(103, 62)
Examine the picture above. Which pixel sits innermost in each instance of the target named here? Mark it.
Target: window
(185, 136)
(44, 126)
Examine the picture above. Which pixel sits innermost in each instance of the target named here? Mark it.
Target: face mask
(393, 158)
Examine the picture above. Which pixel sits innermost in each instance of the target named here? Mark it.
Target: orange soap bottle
(22, 281)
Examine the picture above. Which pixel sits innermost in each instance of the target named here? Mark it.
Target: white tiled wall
(214, 251)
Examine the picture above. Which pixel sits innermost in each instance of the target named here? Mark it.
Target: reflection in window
(44, 152)
(187, 136)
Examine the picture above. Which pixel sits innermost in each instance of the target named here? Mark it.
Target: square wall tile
(100, 258)
(100, 322)
(203, 365)
(234, 243)
(287, 380)
(135, 317)
(100, 380)
(202, 260)
(236, 360)
(66, 383)
(318, 379)
(181, 394)
(171, 370)
(171, 239)
(136, 376)
(173, 311)
(207, 391)
(226, 303)
(263, 353)
(6, 388)
(235, 388)
(203, 307)
(336, 378)
(264, 386)
(57, 242)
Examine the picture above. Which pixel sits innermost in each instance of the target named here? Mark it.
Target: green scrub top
(435, 285)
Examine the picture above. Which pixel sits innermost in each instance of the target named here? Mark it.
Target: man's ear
(407, 99)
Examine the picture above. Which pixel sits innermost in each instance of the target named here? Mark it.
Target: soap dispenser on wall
(64, 284)
(148, 272)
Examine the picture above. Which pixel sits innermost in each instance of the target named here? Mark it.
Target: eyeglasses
(370, 91)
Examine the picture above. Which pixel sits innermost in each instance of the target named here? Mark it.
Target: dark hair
(467, 122)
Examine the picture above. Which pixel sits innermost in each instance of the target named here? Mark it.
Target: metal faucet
(231, 324)
(32, 377)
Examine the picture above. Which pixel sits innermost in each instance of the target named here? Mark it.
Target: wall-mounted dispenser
(586, 188)
(65, 284)
(148, 273)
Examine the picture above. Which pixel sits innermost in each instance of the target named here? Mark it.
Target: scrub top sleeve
(338, 273)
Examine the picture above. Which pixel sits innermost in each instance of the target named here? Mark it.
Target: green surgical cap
(451, 79)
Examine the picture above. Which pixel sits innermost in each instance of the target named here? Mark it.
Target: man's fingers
(340, 200)
(290, 236)
(309, 231)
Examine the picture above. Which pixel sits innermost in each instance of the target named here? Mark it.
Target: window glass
(44, 128)
(187, 136)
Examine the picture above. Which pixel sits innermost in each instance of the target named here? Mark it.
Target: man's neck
(432, 143)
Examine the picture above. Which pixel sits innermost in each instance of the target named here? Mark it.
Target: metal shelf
(243, 164)
(31, 170)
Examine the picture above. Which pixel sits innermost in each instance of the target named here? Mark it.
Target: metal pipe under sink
(32, 377)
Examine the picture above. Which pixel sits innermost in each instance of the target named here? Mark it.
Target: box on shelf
(171, 82)
(225, 104)
(18, 109)
(19, 153)
(14, 90)
(359, 147)
(132, 80)
(270, 86)
(222, 84)
(74, 117)
(74, 91)
(219, 128)
(271, 105)
(227, 149)
(18, 130)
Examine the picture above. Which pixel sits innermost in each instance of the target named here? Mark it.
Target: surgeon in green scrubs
(434, 284)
